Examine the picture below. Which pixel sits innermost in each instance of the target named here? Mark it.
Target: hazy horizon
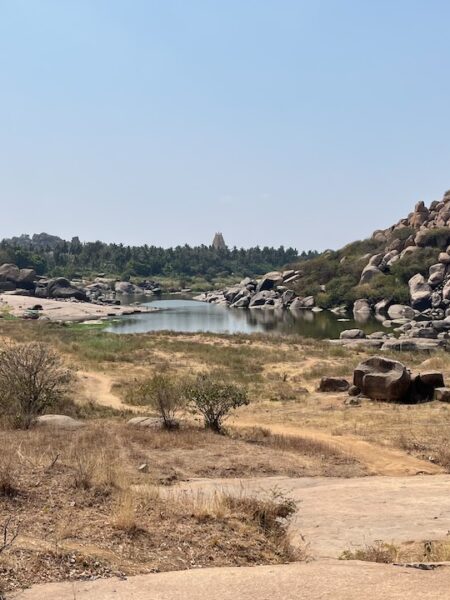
(295, 123)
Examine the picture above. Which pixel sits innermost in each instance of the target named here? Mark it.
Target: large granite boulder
(269, 281)
(420, 292)
(379, 378)
(60, 287)
(437, 274)
(352, 334)
(9, 272)
(401, 311)
(362, 306)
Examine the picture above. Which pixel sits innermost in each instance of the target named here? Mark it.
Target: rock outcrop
(270, 292)
(379, 378)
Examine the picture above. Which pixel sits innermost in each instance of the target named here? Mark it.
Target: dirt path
(336, 514)
(379, 460)
(340, 580)
(97, 387)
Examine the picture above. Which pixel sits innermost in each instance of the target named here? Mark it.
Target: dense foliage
(60, 257)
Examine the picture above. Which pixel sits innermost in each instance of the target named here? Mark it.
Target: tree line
(64, 258)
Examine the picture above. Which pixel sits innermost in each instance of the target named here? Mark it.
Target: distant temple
(219, 242)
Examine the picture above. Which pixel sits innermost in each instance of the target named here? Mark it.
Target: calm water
(190, 316)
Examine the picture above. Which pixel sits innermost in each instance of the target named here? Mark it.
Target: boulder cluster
(272, 291)
(25, 282)
(431, 293)
(380, 378)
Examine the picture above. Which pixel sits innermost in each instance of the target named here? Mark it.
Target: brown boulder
(333, 384)
(379, 378)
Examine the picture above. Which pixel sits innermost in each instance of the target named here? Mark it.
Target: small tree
(162, 392)
(32, 378)
(214, 399)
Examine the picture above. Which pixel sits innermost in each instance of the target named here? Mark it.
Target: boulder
(260, 298)
(369, 273)
(446, 291)
(299, 303)
(145, 422)
(444, 258)
(352, 334)
(437, 274)
(442, 394)
(400, 311)
(333, 384)
(362, 306)
(287, 297)
(26, 279)
(420, 292)
(379, 378)
(9, 272)
(125, 287)
(381, 306)
(60, 287)
(241, 302)
(269, 281)
(58, 422)
(423, 385)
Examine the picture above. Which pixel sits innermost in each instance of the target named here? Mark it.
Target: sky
(277, 122)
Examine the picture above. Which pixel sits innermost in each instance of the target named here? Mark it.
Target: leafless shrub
(9, 532)
(32, 379)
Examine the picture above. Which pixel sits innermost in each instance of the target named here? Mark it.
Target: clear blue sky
(304, 123)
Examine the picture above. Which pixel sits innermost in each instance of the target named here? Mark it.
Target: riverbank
(64, 310)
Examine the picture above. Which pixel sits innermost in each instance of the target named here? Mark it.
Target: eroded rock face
(380, 378)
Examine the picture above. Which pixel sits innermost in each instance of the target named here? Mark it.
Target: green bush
(214, 399)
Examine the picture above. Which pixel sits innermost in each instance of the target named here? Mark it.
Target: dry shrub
(32, 379)
(95, 468)
(379, 552)
(8, 474)
(124, 513)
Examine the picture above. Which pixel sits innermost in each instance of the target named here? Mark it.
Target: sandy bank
(66, 310)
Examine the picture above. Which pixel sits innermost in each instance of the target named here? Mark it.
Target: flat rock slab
(343, 514)
(337, 580)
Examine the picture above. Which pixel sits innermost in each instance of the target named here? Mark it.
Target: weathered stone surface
(333, 384)
(399, 311)
(437, 274)
(269, 281)
(352, 334)
(145, 422)
(362, 306)
(420, 292)
(58, 422)
(379, 378)
(369, 273)
(9, 272)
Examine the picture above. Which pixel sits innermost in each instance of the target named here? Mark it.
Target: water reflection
(189, 316)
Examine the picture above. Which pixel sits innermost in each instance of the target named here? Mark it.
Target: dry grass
(82, 501)
(429, 551)
(291, 443)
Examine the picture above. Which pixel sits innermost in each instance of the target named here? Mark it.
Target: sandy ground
(335, 514)
(63, 310)
(337, 580)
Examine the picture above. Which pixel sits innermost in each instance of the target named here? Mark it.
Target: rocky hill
(407, 264)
